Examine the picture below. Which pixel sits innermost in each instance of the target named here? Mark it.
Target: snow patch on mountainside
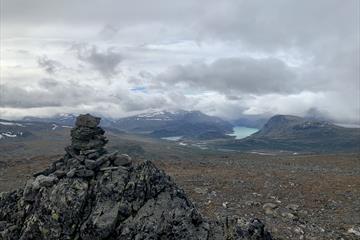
(155, 116)
(12, 124)
(10, 134)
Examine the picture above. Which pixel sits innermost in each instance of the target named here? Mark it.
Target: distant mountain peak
(289, 125)
(293, 133)
(66, 115)
(167, 123)
(280, 117)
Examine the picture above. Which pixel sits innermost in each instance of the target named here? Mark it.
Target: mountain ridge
(293, 133)
(165, 123)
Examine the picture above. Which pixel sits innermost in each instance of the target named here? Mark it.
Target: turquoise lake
(242, 132)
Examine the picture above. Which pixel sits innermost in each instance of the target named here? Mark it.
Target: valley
(297, 196)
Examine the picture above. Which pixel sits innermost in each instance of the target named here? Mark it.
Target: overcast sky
(225, 58)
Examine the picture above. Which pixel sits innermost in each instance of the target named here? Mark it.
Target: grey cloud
(246, 75)
(145, 74)
(108, 11)
(49, 93)
(105, 62)
(322, 35)
(48, 83)
(262, 24)
(49, 65)
(108, 32)
(17, 97)
(24, 52)
(143, 102)
(316, 113)
(233, 98)
(281, 23)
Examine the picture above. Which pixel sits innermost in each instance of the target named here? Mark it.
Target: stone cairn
(86, 155)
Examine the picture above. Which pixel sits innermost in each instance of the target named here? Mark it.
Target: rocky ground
(298, 197)
(302, 197)
(92, 194)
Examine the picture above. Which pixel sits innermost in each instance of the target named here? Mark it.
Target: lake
(174, 138)
(242, 132)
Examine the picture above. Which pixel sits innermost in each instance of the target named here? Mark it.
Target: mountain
(92, 194)
(292, 133)
(66, 119)
(15, 130)
(188, 124)
(250, 121)
(10, 130)
(62, 119)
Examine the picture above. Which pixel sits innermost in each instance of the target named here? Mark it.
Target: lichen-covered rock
(122, 160)
(108, 197)
(87, 136)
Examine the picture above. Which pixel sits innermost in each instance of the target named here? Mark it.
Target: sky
(231, 58)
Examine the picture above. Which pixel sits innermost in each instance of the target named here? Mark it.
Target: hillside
(21, 130)
(292, 133)
(188, 124)
(158, 124)
(221, 183)
(91, 193)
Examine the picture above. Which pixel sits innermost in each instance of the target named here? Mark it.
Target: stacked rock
(87, 138)
(86, 154)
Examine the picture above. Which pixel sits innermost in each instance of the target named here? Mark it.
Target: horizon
(232, 121)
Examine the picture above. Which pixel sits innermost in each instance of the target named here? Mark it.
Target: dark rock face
(87, 135)
(90, 194)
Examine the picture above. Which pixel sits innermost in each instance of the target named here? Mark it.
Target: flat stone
(84, 173)
(59, 165)
(289, 216)
(87, 152)
(87, 120)
(109, 168)
(90, 164)
(201, 190)
(71, 173)
(71, 152)
(104, 158)
(293, 207)
(45, 181)
(60, 173)
(94, 155)
(269, 206)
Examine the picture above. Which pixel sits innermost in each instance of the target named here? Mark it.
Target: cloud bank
(227, 58)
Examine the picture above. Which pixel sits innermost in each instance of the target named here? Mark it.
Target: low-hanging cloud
(16, 97)
(243, 75)
(104, 61)
(49, 65)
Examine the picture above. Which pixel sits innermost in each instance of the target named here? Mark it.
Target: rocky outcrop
(90, 194)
